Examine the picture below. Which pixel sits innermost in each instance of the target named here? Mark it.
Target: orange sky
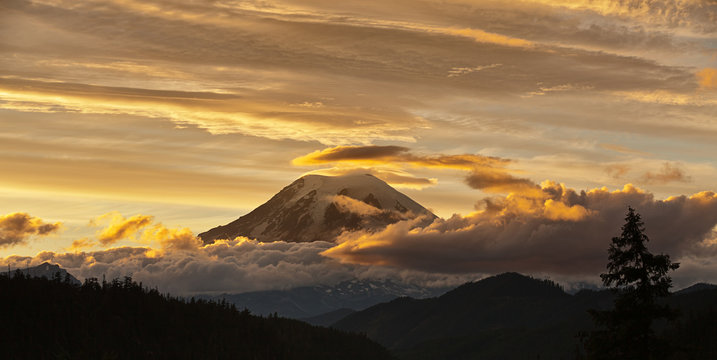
(197, 112)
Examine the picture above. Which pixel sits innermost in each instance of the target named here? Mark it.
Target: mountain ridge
(513, 316)
(311, 301)
(46, 270)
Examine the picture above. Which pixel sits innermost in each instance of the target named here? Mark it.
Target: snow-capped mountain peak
(317, 207)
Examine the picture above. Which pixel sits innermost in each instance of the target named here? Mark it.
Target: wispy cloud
(485, 172)
(459, 71)
(668, 173)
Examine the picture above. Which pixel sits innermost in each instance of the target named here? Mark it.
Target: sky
(127, 127)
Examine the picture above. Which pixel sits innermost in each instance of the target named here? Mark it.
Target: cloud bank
(552, 230)
(558, 231)
(176, 260)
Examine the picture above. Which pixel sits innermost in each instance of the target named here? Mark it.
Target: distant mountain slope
(328, 318)
(317, 207)
(309, 301)
(696, 287)
(509, 316)
(507, 301)
(46, 270)
(45, 319)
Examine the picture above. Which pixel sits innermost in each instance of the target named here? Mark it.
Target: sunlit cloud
(707, 78)
(485, 172)
(120, 227)
(460, 71)
(207, 103)
(217, 113)
(491, 38)
(83, 243)
(16, 228)
(563, 232)
(669, 98)
(227, 266)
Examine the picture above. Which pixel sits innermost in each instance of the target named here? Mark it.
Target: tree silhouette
(638, 279)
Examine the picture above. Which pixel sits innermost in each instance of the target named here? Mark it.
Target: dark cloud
(344, 153)
(485, 172)
(15, 228)
(562, 232)
(497, 180)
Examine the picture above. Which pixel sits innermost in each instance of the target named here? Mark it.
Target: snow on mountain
(317, 207)
(309, 301)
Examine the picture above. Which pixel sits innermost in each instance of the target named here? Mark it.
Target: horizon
(128, 128)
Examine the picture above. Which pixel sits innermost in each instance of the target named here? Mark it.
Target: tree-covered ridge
(121, 319)
(512, 316)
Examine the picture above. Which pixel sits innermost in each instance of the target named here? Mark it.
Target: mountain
(310, 301)
(48, 271)
(697, 287)
(512, 316)
(328, 318)
(316, 207)
(472, 319)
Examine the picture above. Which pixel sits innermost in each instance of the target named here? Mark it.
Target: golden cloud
(563, 232)
(174, 239)
(217, 113)
(707, 78)
(141, 228)
(362, 154)
(82, 244)
(120, 227)
(490, 38)
(485, 172)
(15, 228)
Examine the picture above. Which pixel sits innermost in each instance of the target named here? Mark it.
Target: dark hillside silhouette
(508, 316)
(53, 319)
(512, 316)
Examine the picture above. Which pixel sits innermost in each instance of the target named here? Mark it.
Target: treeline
(121, 319)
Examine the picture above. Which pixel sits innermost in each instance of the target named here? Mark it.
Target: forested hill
(512, 316)
(53, 319)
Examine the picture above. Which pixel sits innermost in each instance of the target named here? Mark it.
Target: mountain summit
(317, 207)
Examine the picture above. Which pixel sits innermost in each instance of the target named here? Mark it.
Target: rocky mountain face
(319, 208)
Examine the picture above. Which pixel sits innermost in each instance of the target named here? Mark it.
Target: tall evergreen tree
(638, 279)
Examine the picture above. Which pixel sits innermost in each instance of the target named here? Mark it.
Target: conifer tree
(638, 279)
